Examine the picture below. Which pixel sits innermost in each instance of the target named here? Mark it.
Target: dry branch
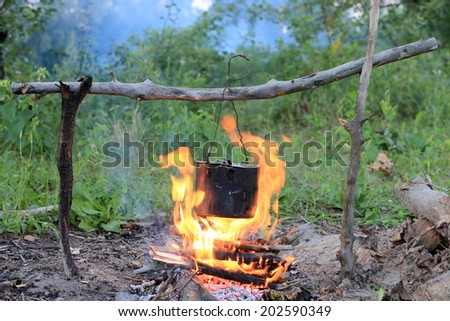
(354, 127)
(148, 90)
(170, 258)
(45, 210)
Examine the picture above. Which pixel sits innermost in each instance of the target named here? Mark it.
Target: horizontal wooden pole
(148, 90)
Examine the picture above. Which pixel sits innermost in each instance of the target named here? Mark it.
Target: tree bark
(69, 107)
(148, 90)
(424, 202)
(436, 289)
(354, 127)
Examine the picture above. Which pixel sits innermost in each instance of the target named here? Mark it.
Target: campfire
(227, 214)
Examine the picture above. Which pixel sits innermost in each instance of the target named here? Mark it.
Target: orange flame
(202, 234)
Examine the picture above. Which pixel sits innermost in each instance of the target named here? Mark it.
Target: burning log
(246, 246)
(206, 269)
(262, 258)
(255, 280)
(266, 259)
(265, 265)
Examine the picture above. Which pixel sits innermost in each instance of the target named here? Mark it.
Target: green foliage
(24, 15)
(16, 223)
(25, 123)
(27, 182)
(409, 101)
(20, 19)
(422, 18)
(96, 207)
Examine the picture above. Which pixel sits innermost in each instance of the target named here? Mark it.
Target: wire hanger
(219, 108)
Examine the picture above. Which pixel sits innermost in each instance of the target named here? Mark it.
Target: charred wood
(167, 255)
(231, 275)
(69, 107)
(248, 258)
(246, 246)
(249, 278)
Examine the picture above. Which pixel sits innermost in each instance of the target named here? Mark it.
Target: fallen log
(426, 234)
(426, 204)
(436, 289)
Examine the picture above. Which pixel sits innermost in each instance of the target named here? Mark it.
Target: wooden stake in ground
(69, 107)
(354, 127)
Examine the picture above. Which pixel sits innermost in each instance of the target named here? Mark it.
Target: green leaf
(86, 225)
(112, 226)
(77, 207)
(89, 211)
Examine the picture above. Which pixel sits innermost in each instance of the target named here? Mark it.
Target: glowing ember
(204, 236)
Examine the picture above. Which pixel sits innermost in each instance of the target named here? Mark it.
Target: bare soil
(387, 269)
